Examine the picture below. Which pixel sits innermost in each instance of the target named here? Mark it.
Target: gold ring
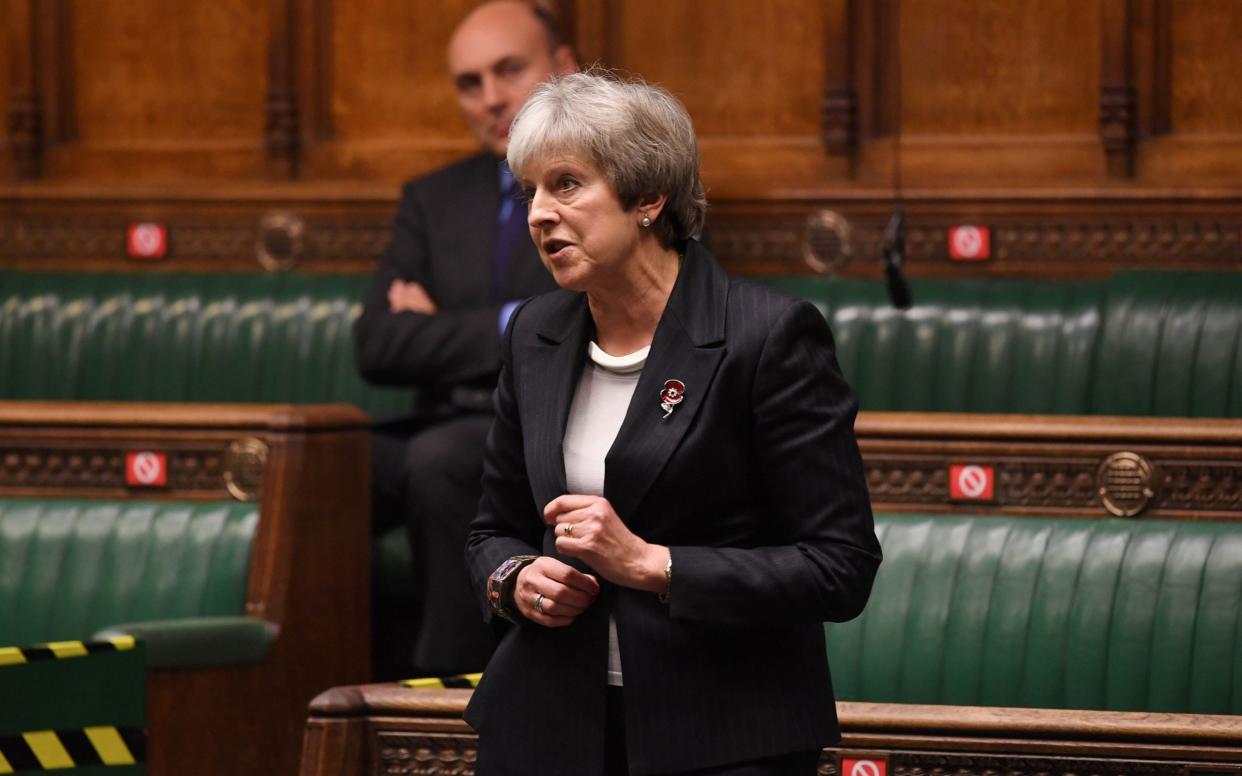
(539, 602)
(569, 529)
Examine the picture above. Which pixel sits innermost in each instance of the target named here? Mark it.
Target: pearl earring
(646, 220)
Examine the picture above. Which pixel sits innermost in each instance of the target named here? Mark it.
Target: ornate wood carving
(993, 765)
(1050, 465)
(233, 243)
(1118, 103)
(425, 754)
(1083, 236)
(386, 728)
(91, 468)
(1061, 484)
(775, 244)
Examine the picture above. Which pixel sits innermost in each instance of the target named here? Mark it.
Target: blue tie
(510, 226)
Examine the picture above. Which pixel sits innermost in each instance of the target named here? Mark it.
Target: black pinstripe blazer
(756, 484)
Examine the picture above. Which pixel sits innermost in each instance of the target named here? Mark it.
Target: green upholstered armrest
(200, 641)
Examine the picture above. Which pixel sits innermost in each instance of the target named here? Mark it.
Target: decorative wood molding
(1162, 68)
(25, 109)
(1058, 234)
(366, 730)
(839, 111)
(1118, 100)
(1056, 465)
(282, 128)
(93, 469)
(400, 752)
(322, 66)
(1038, 246)
(885, 68)
(57, 68)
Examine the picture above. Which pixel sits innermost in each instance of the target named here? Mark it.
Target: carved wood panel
(796, 103)
(753, 77)
(167, 90)
(85, 469)
(975, 107)
(418, 753)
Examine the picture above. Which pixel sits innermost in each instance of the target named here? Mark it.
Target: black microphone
(894, 252)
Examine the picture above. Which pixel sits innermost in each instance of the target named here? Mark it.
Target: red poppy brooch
(672, 394)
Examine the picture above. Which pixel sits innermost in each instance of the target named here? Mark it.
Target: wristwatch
(502, 581)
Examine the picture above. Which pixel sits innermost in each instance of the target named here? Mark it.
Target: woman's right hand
(561, 592)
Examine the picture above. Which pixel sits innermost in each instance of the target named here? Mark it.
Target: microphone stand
(893, 250)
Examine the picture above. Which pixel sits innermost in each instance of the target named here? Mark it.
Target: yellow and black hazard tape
(61, 650)
(46, 750)
(463, 680)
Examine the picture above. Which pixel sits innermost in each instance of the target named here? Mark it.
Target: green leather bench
(992, 644)
(1161, 344)
(226, 543)
(1121, 615)
(171, 573)
(171, 576)
(185, 338)
(1140, 343)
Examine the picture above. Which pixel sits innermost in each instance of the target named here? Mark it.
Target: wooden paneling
(6, 53)
(167, 90)
(1091, 134)
(751, 75)
(389, 107)
(1205, 143)
(1208, 63)
(994, 90)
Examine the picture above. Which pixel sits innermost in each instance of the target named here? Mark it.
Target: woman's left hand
(587, 528)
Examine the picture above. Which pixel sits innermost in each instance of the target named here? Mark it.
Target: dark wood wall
(1085, 135)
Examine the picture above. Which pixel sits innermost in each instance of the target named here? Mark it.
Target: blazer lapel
(555, 364)
(688, 346)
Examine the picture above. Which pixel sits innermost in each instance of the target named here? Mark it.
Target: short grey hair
(638, 134)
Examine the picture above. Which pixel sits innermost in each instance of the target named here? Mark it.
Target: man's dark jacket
(444, 239)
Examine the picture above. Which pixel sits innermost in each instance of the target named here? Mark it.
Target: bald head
(496, 56)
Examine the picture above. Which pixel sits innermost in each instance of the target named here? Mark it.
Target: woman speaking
(673, 497)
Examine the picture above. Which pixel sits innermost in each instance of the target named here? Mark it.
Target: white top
(604, 391)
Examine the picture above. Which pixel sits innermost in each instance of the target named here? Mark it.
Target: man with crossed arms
(460, 260)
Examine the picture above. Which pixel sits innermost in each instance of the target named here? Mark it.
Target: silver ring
(539, 602)
(569, 529)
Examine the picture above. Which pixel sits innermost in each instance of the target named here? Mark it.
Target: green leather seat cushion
(71, 568)
(1063, 613)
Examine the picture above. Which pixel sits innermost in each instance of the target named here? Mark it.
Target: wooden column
(25, 109)
(1118, 102)
(282, 130)
(840, 106)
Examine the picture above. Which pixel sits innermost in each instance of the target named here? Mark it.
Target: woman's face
(583, 233)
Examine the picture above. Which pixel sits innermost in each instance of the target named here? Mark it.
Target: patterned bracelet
(500, 584)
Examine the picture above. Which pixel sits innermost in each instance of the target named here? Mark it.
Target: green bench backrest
(70, 568)
(184, 337)
(1140, 343)
(1060, 613)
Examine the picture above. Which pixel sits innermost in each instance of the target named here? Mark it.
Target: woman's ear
(650, 206)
